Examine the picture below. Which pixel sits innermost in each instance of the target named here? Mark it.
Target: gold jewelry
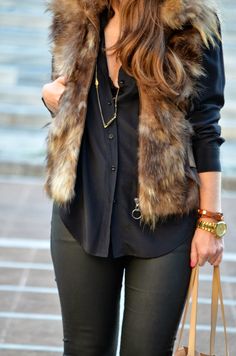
(105, 125)
(218, 229)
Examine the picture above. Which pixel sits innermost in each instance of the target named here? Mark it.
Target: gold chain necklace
(106, 124)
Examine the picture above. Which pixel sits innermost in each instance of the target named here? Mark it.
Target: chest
(111, 34)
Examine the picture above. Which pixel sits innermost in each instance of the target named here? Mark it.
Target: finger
(212, 259)
(218, 260)
(202, 260)
(219, 252)
(193, 255)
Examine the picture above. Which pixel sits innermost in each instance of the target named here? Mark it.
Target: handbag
(190, 350)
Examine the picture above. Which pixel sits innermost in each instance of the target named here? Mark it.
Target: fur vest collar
(167, 180)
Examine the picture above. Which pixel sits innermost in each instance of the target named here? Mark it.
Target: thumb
(193, 255)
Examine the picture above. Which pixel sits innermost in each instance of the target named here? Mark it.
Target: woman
(132, 154)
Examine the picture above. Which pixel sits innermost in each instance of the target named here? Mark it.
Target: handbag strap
(185, 312)
(214, 311)
(193, 316)
(216, 295)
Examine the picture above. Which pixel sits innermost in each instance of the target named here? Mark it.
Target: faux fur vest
(168, 183)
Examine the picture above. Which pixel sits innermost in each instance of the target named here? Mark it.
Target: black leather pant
(89, 291)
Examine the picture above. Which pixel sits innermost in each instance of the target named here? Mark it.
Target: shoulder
(186, 17)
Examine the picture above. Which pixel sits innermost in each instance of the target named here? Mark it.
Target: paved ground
(30, 322)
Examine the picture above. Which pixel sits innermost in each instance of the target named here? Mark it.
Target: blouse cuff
(207, 159)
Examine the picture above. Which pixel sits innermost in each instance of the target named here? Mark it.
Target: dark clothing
(205, 113)
(100, 215)
(89, 291)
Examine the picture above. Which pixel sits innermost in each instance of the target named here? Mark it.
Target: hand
(206, 247)
(52, 93)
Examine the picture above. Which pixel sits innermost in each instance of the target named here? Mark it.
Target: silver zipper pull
(136, 213)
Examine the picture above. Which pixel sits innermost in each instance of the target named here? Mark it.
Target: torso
(111, 34)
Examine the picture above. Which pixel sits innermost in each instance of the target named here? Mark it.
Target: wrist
(205, 218)
(213, 215)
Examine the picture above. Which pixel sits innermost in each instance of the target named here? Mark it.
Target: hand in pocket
(52, 92)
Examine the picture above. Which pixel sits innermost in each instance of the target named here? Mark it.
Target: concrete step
(228, 129)
(228, 30)
(16, 52)
(229, 75)
(21, 169)
(22, 152)
(229, 110)
(14, 5)
(24, 4)
(23, 116)
(228, 162)
(227, 11)
(33, 18)
(225, 3)
(229, 49)
(22, 146)
(23, 37)
(36, 58)
(20, 95)
(8, 75)
(24, 75)
(230, 90)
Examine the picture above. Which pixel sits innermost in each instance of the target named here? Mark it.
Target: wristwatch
(218, 229)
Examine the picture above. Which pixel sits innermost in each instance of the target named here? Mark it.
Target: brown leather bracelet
(214, 215)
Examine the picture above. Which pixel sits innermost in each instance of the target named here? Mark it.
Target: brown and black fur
(167, 182)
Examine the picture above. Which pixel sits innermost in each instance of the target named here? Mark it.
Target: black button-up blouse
(100, 214)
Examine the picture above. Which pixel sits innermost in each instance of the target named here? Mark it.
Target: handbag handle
(216, 295)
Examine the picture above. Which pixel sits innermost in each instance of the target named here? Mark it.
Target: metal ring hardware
(136, 213)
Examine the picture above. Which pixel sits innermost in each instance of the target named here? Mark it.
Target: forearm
(210, 191)
(205, 246)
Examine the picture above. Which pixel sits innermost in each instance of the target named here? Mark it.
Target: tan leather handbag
(190, 350)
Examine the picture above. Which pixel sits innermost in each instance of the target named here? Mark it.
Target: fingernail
(192, 264)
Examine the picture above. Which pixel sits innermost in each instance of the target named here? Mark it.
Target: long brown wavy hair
(142, 47)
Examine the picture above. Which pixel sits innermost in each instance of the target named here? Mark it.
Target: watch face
(221, 228)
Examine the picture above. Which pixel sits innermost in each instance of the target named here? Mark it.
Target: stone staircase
(228, 122)
(25, 67)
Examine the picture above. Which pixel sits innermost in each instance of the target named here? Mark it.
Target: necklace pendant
(105, 125)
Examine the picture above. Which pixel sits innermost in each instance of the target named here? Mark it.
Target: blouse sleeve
(205, 113)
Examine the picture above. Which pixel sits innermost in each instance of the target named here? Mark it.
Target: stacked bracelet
(214, 215)
(217, 228)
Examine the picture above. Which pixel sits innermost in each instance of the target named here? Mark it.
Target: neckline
(105, 15)
(106, 63)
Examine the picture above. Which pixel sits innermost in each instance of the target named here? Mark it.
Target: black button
(113, 168)
(121, 82)
(109, 102)
(110, 136)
